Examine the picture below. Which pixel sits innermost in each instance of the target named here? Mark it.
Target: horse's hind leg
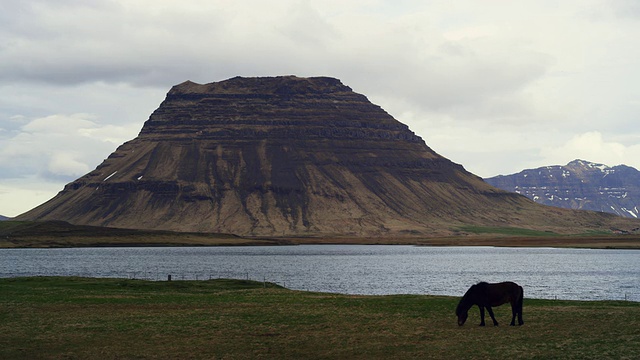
(520, 321)
(515, 311)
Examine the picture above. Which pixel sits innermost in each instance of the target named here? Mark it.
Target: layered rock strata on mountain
(578, 185)
(287, 156)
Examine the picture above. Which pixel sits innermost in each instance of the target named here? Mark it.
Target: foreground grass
(80, 318)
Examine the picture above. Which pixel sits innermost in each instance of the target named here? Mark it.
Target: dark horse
(486, 295)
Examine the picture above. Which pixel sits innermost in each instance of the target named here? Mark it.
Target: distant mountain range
(2, 218)
(578, 185)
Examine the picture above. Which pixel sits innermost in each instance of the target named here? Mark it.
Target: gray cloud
(496, 86)
(625, 8)
(58, 147)
(96, 42)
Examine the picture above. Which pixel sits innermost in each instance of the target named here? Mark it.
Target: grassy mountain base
(55, 234)
(80, 318)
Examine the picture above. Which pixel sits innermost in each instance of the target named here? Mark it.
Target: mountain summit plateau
(290, 156)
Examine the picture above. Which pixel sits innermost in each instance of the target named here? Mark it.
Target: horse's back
(507, 286)
(503, 292)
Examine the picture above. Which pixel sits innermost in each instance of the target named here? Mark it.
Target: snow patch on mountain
(578, 185)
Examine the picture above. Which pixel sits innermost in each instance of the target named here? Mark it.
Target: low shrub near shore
(86, 318)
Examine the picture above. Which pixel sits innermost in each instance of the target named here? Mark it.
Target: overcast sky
(495, 85)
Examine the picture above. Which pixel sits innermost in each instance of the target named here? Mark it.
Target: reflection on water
(355, 269)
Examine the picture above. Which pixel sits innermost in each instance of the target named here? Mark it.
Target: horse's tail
(520, 301)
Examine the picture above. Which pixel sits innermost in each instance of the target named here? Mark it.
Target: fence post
(169, 277)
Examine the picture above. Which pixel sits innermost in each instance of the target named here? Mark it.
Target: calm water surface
(580, 274)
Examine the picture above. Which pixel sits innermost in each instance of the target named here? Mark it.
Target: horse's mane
(464, 305)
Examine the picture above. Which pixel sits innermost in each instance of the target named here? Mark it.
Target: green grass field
(81, 318)
(511, 231)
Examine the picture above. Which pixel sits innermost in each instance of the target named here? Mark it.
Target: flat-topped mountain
(290, 156)
(578, 185)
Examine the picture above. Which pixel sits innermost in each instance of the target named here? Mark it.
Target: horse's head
(462, 316)
(462, 311)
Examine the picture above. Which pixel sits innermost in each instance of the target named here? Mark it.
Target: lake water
(578, 274)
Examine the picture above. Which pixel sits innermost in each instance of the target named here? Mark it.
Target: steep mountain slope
(579, 185)
(289, 156)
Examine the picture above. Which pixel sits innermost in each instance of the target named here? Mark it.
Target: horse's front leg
(481, 315)
(495, 323)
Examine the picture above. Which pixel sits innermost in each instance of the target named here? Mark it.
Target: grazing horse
(486, 295)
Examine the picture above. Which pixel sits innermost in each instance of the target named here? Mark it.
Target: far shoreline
(618, 242)
(615, 242)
